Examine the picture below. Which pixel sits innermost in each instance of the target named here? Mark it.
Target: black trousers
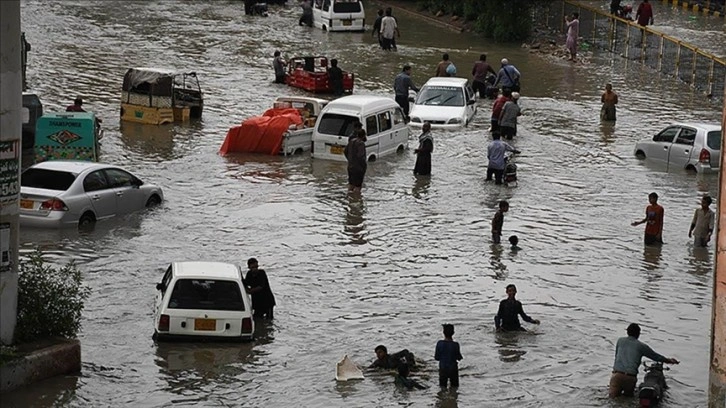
(402, 101)
(498, 173)
(263, 313)
(448, 374)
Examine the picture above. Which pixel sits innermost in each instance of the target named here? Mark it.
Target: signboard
(9, 172)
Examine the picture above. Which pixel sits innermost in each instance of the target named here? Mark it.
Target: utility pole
(717, 380)
(11, 102)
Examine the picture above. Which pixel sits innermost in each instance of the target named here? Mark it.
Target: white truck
(299, 139)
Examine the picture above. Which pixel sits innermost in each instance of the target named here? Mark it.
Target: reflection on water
(447, 398)
(148, 141)
(57, 392)
(508, 345)
(355, 223)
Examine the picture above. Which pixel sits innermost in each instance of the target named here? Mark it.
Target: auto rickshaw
(67, 136)
(156, 97)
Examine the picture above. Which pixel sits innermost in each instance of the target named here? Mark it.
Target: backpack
(451, 69)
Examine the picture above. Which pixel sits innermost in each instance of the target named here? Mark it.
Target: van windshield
(346, 6)
(441, 96)
(713, 140)
(206, 294)
(336, 124)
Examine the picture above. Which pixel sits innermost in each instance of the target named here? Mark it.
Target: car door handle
(665, 147)
(119, 193)
(685, 151)
(96, 197)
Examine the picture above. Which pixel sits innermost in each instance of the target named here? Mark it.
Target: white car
(445, 102)
(59, 193)
(689, 146)
(202, 301)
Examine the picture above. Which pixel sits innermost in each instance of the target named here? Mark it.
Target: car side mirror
(160, 286)
(471, 102)
(137, 182)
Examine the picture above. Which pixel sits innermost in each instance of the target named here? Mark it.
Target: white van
(339, 15)
(382, 120)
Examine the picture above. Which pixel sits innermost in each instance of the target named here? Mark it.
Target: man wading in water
(423, 153)
(355, 153)
(654, 219)
(507, 318)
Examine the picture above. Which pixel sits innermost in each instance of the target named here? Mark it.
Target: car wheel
(691, 169)
(87, 221)
(372, 158)
(640, 155)
(400, 149)
(153, 201)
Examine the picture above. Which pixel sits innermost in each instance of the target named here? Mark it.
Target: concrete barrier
(61, 357)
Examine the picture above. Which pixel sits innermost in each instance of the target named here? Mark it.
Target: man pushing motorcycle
(628, 353)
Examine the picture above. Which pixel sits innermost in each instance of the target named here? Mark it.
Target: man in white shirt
(702, 223)
(389, 29)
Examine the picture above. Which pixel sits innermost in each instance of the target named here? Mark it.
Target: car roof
(447, 81)
(200, 269)
(364, 104)
(72, 166)
(708, 127)
(301, 99)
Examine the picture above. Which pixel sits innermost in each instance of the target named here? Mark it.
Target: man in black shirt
(263, 301)
(507, 318)
(376, 32)
(392, 361)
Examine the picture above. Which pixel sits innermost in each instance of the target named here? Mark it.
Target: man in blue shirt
(495, 154)
(628, 353)
(508, 76)
(401, 85)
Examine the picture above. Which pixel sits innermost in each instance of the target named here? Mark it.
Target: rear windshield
(441, 96)
(346, 6)
(206, 294)
(713, 140)
(47, 179)
(337, 125)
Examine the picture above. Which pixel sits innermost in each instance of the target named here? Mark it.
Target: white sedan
(59, 193)
(445, 102)
(689, 146)
(201, 301)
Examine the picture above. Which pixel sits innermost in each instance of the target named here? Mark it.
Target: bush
(50, 300)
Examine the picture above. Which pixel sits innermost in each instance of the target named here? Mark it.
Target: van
(339, 15)
(382, 120)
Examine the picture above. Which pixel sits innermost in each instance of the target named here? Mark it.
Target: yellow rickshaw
(155, 96)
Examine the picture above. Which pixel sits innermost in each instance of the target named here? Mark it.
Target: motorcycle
(651, 390)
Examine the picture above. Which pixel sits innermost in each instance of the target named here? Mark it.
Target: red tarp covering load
(261, 134)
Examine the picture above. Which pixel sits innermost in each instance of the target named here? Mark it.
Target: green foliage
(509, 20)
(7, 353)
(50, 300)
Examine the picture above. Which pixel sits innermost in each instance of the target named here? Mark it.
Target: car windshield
(206, 294)
(335, 124)
(47, 179)
(713, 140)
(441, 96)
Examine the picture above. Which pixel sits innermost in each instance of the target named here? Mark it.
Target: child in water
(403, 380)
(448, 355)
(513, 240)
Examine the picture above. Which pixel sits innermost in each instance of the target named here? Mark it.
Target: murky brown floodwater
(392, 266)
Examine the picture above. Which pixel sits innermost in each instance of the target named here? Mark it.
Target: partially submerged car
(202, 301)
(445, 102)
(157, 96)
(59, 193)
(690, 146)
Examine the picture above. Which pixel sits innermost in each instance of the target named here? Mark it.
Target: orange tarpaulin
(261, 134)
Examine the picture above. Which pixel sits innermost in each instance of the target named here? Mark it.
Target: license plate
(347, 22)
(205, 324)
(336, 149)
(27, 204)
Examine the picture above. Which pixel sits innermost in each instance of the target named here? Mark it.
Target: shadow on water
(355, 221)
(508, 346)
(57, 391)
(447, 398)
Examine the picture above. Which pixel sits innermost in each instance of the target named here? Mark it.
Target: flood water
(388, 267)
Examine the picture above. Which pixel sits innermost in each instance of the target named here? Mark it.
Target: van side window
(384, 119)
(318, 4)
(398, 116)
(371, 125)
(326, 5)
(686, 137)
(667, 135)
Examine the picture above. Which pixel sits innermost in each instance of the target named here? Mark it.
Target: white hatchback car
(445, 102)
(59, 193)
(202, 301)
(689, 146)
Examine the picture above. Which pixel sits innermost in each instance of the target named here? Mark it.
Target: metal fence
(663, 53)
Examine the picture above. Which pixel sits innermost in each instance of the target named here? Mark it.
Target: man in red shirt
(76, 107)
(654, 219)
(497, 108)
(644, 15)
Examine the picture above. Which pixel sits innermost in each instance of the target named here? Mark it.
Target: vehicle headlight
(416, 119)
(454, 121)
